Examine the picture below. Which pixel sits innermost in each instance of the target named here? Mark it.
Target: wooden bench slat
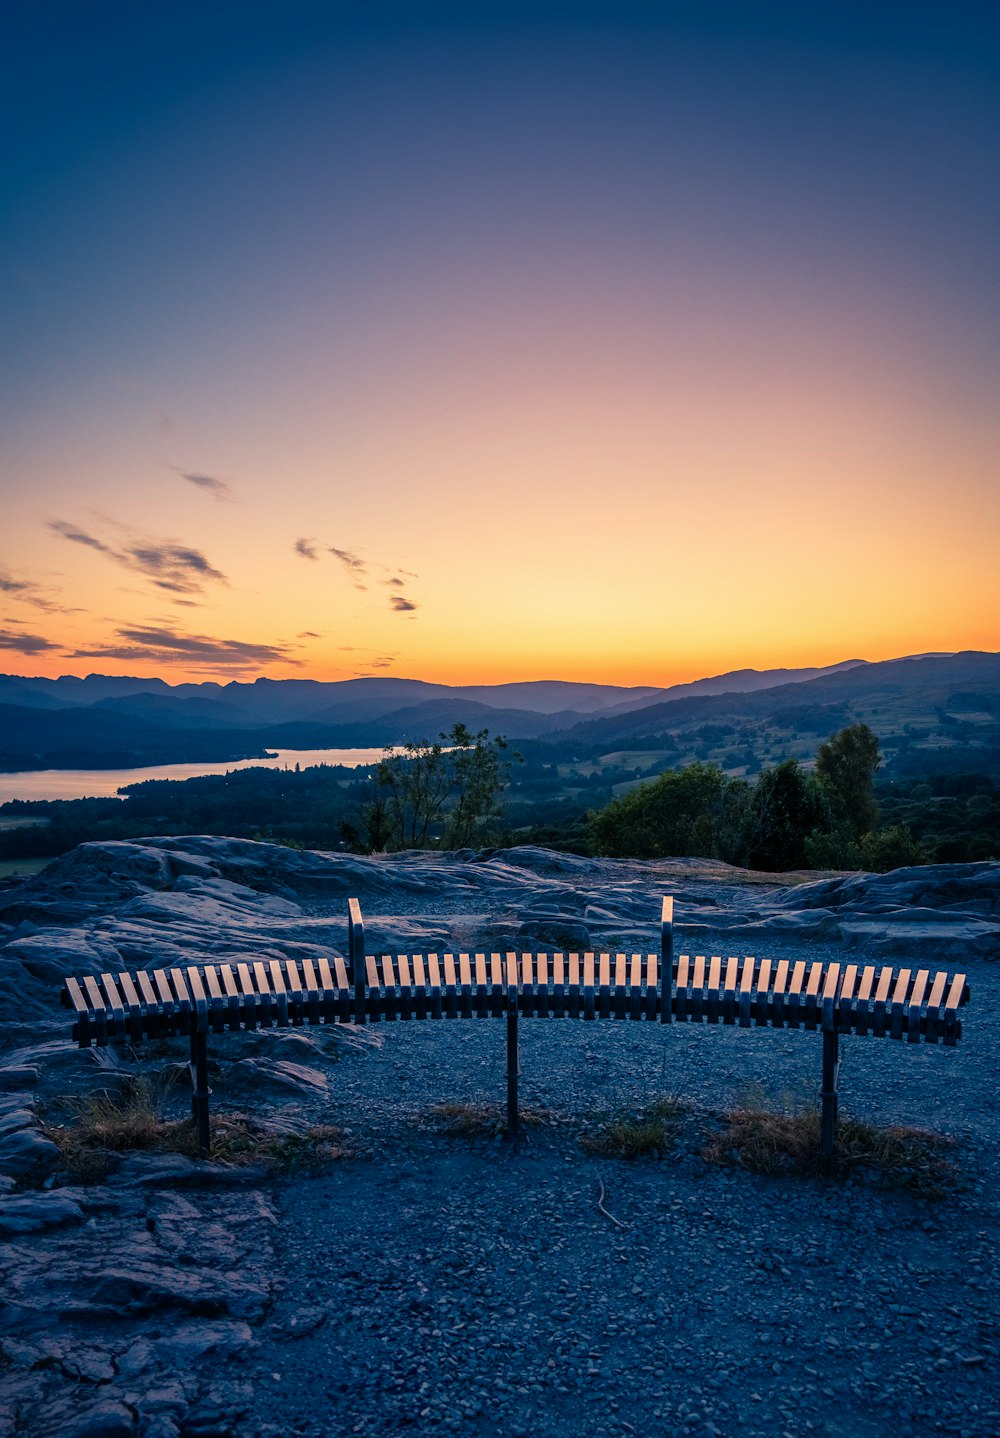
(573, 986)
(746, 991)
(136, 1010)
(793, 1001)
(450, 986)
(619, 988)
(526, 984)
(864, 1009)
(934, 1025)
(265, 998)
(464, 986)
(956, 997)
(557, 1001)
(698, 988)
(169, 1008)
(635, 987)
(385, 987)
(481, 1000)
(897, 1010)
(682, 998)
(776, 1006)
(81, 1008)
(199, 999)
(247, 994)
(234, 1002)
(419, 987)
(845, 1015)
(914, 1009)
(434, 984)
(729, 979)
(831, 991)
(652, 986)
(216, 1000)
(542, 979)
(603, 987)
(496, 985)
(714, 996)
(116, 1006)
(589, 986)
(812, 1011)
(762, 1003)
(881, 996)
(312, 990)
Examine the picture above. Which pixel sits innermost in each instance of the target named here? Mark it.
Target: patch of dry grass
(479, 1120)
(782, 1144)
(105, 1126)
(646, 1133)
(241, 1140)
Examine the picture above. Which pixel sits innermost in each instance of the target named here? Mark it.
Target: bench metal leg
(200, 1090)
(512, 1116)
(828, 1093)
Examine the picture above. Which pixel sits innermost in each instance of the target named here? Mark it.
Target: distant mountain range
(111, 721)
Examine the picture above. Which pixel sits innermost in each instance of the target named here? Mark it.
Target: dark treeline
(789, 818)
(838, 814)
(305, 808)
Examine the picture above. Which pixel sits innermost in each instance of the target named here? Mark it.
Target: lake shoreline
(51, 785)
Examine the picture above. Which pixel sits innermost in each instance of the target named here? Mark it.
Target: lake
(100, 783)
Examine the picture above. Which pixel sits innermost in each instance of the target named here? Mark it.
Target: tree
(444, 795)
(786, 806)
(678, 813)
(845, 766)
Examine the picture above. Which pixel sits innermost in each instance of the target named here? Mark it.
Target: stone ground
(439, 1284)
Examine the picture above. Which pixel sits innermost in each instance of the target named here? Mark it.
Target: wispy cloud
(170, 565)
(26, 591)
(309, 634)
(169, 646)
(25, 643)
(217, 488)
(361, 571)
(355, 566)
(80, 536)
(173, 566)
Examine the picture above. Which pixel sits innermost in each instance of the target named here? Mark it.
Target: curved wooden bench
(836, 998)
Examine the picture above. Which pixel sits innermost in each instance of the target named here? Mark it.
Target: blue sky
(488, 289)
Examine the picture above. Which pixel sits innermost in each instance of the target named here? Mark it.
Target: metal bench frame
(836, 998)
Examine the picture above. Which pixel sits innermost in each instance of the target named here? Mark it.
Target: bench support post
(666, 959)
(200, 1090)
(356, 950)
(828, 1094)
(512, 1115)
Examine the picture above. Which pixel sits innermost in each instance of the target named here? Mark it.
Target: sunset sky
(623, 343)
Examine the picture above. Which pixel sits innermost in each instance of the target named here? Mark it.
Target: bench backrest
(250, 993)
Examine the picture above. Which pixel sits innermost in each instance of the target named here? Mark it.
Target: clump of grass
(644, 1134)
(130, 1121)
(241, 1140)
(782, 1144)
(109, 1124)
(479, 1120)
